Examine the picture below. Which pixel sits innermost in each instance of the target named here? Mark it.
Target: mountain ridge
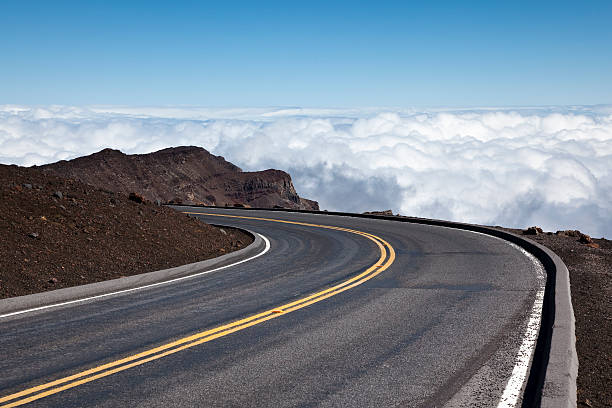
(183, 174)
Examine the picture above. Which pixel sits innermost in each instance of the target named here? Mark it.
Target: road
(429, 316)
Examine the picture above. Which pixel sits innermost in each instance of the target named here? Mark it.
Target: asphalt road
(441, 324)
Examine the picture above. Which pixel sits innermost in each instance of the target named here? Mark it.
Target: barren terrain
(58, 233)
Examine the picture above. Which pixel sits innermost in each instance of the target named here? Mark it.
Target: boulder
(137, 198)
(533, 231)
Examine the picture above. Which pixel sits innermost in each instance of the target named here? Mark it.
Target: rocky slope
(58, 233)
(188, 174)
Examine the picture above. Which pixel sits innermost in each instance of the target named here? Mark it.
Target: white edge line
(266, 249)
(514, 386)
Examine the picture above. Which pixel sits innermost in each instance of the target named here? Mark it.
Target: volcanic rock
(384, 212)
(137, 198)
(570, 233)
(533, 231)
(188, 174)
(86, 240)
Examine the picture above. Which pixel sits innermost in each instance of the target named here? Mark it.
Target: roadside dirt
(590, 268)
(58, 233)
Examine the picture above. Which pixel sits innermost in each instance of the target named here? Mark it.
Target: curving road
(430, 316)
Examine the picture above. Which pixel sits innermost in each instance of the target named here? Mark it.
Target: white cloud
(515, 167)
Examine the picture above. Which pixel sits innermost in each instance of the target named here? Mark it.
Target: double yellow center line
(387, 256)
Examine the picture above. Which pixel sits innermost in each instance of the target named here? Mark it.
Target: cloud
(514, 167)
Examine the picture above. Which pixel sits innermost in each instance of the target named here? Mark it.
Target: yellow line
(208, 335)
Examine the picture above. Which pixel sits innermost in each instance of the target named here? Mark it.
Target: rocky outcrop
(533, 231)
(384, 212)
(187, 174)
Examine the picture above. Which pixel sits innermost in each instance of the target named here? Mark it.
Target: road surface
(402, 315)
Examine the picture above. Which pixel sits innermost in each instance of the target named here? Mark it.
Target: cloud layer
(550, 167)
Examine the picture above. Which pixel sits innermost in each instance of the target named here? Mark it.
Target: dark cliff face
(187, 174)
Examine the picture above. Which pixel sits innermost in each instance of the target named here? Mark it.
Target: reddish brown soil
(84, 235)
(591, 285)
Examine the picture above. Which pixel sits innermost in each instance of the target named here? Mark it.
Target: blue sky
(306, 53)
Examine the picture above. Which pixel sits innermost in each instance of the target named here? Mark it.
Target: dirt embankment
(58, 233)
